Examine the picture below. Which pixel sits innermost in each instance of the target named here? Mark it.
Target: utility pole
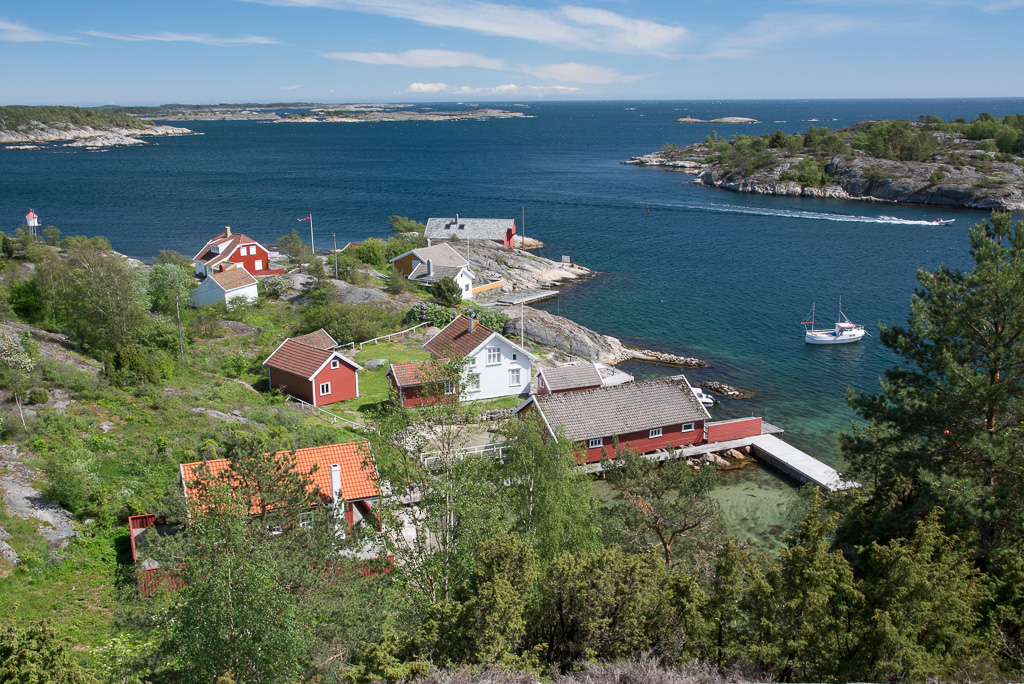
(522, 324)
(335, 255)
(181, 345)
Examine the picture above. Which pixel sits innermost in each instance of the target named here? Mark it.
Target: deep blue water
(719, 275)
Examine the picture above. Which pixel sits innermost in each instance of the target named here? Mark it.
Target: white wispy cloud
(291, 87)
(570, 26)
(781, 28)
(19, 33)
(571, 71)
(507, 89)
(421, 58)
(170, 37)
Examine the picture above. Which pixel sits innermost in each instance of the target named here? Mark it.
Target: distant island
(30, 128)
(974, 164)
(314, 113)
(724, 119)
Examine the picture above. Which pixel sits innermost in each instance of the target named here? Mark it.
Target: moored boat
(844, 331)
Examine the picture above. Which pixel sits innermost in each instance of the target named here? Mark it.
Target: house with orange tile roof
(495, 366)
(229, 250)
(309, 368)
(230, 287)
(345, 475)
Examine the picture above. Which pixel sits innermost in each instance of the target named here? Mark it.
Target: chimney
(456, 222)
(227, 231)
(336, 494)
(430, 267)
(472, 321)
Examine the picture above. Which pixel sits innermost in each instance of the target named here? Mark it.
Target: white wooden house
(495, 366)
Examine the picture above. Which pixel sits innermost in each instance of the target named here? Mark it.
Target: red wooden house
(233, 249)
(149, 576)
(346, 477)
(309, 368)
(648, 415)
(413, 385)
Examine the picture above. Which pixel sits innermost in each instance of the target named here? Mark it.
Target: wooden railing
(333, 418)
(375, 340)
(496, 451)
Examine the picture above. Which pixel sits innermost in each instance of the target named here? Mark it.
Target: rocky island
(314, 113)
(976, 165)
(30, 128)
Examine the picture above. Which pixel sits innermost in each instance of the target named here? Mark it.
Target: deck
(518, 297)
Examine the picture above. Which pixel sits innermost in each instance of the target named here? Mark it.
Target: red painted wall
(671, 436)
(298, 387)
(248, 262)
(734, 429)
(343, 384)
(417, 395)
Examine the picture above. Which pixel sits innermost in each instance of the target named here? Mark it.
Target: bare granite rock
(220, 415)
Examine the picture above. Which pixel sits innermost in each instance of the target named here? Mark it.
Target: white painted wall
(209, 293)
(494, 379)
(465, 283)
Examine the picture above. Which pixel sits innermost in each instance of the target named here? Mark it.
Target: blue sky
(212, 51)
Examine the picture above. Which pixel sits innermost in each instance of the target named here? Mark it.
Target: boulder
(572, 338)
(375, 364)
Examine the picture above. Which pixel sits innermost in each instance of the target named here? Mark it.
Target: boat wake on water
(796, 213)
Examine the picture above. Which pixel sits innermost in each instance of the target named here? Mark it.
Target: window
(513, 357)
(258, 265)
(687, 427)
(335, 363)
(306, 519)
(655, 432)
(243, 251)
(473, 382)
(274, 529)
(449, 387)
(596, 443)
(465, 287)
(493, 355)
(325, 388)
(513, 378)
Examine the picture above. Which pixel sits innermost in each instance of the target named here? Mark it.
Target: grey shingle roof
(469, 228)
(621, 409)
(570, 377)
(419, 274)
(440, 255)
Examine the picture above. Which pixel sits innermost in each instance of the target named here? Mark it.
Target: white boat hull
(830, 337)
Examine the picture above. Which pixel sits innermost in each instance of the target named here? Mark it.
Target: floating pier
(518, 297)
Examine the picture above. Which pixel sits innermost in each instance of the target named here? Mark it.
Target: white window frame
(244, 251)
(328, 386)
(515, 377)
(493, 351)
(655, 432)
(596, 443)
(258, 265)
(473, 382)
(687, 427)
(449, 387)
(274, 529)
(335, 363)
(306, 519)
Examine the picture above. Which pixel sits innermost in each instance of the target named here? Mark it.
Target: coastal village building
(310, 369)
(496, 230)
(232, 286)
(427, 265)
(346, 477)
(648, 415)
(495, 366)
(233, 249)
(413, 385)
(568, 378)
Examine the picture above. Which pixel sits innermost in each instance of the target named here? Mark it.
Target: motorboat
(703, 397)
(844, 331)
(943, 222)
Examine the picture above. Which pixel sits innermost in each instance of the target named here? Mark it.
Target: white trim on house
(335, 354)
(328, 386)
(595, 443)
(655, 432)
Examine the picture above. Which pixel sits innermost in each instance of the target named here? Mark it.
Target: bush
(447, 292)
(397, 283)
(38, 396)
(373, 251)
(875, 174)
(441, 316)
(275, 286)
(350, 322)
(936, 177)
(131, 366)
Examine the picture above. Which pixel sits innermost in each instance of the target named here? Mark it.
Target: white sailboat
(843, 333)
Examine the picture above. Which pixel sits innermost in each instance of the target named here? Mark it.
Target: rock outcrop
(37, 132)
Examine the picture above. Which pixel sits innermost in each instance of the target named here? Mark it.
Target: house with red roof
(344, 474)
(495, 366)
(228, 250)
(233, 286)
(414, 385)
(648, 415)
(309, 368)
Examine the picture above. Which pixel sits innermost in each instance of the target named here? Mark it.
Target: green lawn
(373, 385)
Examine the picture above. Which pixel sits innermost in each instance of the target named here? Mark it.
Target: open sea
(683, 268)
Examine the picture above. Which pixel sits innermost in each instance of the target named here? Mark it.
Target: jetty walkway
(517, 297)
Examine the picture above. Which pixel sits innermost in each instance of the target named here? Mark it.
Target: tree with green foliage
(169, 284)
(446, 292)
(7, 246)
(131, 366)
(400, 225)
(37, 654)
(945, 429)
(318, 290)
(350, 322)
(397, 282)
(373, 251)
(295, 247)
(52, 235)
(551, 502)
(170, 256)
(348, 267)
(667, 508)
(897, 140)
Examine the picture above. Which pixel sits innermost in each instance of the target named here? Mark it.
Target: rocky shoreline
(37, 134)
(989, 182)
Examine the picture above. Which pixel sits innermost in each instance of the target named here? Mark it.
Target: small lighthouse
(32, 221)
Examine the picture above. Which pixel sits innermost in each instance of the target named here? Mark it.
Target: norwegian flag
(307, 218)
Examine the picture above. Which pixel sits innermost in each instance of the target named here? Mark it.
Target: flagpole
(311, 245)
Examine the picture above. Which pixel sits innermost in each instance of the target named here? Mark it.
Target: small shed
(568, 378)
(307, 369)
(227, 287)
(413, 385)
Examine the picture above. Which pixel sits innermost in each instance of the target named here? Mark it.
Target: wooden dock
(518, 297)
